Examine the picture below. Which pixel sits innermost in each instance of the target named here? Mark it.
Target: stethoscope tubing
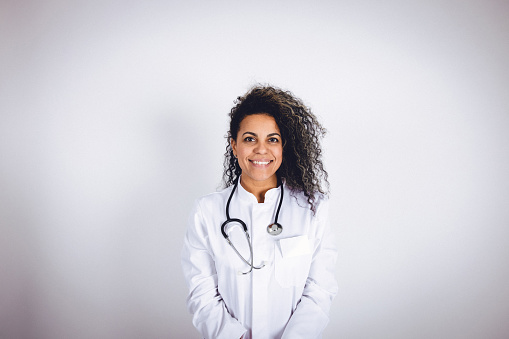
(278, 229)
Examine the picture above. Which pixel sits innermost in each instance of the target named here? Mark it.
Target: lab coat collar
(270, 196)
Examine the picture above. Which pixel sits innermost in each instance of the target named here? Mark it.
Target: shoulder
(299, 199)
(207, 211)
(213, 199)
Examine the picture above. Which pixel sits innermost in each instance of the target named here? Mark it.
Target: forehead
(260, 122)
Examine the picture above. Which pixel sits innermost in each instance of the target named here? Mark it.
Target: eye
(249, 139)
(273, 140)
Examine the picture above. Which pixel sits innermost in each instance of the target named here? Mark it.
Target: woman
(277, 279)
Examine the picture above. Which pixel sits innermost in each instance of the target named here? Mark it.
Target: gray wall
(113, 116)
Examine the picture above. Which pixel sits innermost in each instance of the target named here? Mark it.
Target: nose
(260, 148)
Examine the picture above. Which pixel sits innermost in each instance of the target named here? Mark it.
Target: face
(259, 150)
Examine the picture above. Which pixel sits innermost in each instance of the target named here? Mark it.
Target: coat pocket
(292, 260)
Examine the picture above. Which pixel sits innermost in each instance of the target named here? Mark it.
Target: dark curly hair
(302, 166)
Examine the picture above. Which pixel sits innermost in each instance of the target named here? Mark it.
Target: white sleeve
(210, 316)
(312, 313)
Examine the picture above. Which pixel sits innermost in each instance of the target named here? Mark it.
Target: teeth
(261, 162)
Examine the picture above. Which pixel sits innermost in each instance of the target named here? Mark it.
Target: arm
(312, 313)
(210, 315)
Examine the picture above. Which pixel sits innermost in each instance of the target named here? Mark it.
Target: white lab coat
(289, 297)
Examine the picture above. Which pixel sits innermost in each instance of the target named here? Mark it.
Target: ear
(233, 144)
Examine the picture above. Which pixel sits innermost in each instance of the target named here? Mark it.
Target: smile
(261, 163)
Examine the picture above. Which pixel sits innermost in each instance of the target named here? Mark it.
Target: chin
(261, 177)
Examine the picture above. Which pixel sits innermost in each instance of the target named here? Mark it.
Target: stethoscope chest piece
(274, 229)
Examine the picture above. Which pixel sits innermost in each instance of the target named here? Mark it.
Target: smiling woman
(276, 224)
(300, 131)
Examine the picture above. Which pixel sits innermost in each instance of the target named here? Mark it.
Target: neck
(259, 188)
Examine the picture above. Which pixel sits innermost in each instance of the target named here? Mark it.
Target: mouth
(260, 162)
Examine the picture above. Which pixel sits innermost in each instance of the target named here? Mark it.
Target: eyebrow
(269, 135)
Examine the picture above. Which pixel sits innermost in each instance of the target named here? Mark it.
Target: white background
(113, 116)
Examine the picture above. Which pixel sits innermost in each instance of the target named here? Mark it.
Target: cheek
(242, 151)
(279, 154)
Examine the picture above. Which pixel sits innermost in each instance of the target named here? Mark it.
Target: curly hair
(302, 167)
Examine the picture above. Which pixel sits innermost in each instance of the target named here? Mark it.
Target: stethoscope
(273, 229)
